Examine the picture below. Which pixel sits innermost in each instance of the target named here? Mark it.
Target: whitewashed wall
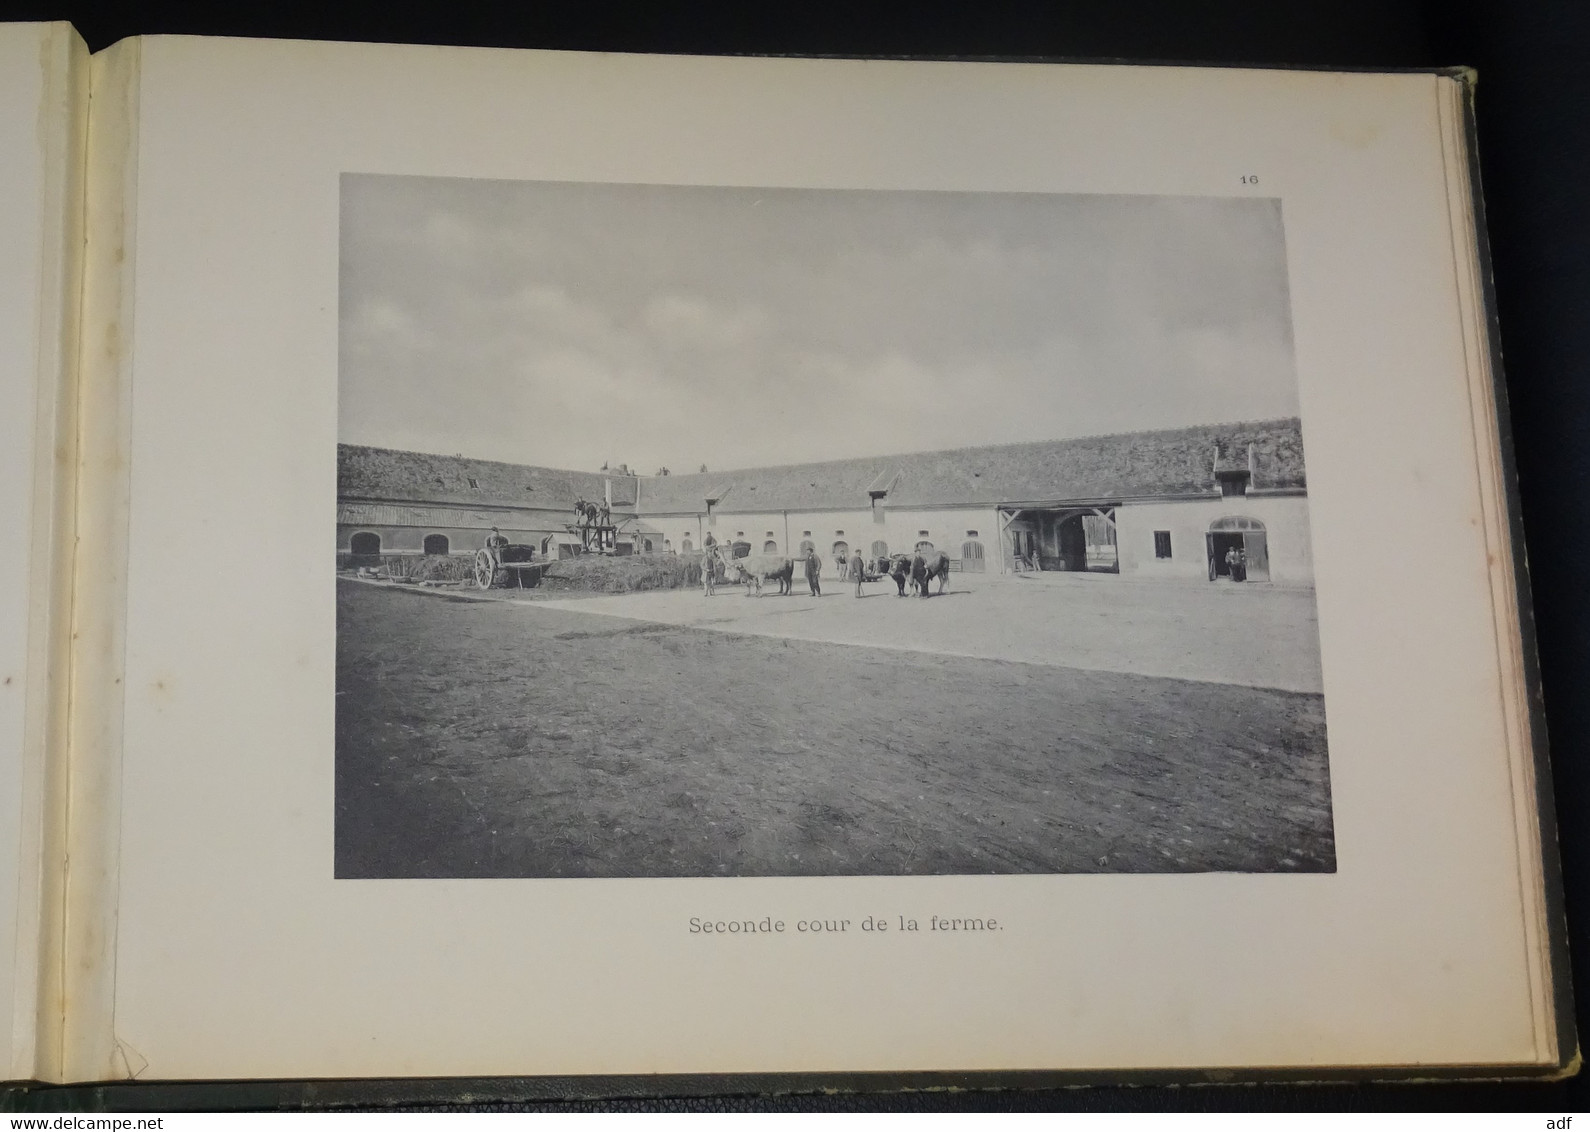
(1285, 519)
(859, 528)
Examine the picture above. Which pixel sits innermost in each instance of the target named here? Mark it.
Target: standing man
(1233, 569)
(858, 568)
(814, 569)
(709, 572)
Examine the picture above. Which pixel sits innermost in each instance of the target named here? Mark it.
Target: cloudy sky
(575, 324)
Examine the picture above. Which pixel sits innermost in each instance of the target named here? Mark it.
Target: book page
(838, 566)
(43, 100)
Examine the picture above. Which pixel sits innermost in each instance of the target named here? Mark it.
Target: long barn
(1164, 503)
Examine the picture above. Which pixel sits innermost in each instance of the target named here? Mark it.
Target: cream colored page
(238, 954)
(42, 100)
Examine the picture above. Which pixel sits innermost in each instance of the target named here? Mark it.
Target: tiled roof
(1118, 467)
(1122, 466)
(390, 474)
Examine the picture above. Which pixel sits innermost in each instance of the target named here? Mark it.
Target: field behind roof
(481, 739)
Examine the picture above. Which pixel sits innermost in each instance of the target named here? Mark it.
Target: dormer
(1234, 481)
(715, 495)
(880, 487)
(882, 484)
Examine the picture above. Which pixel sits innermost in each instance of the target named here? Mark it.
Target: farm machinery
(497, 567)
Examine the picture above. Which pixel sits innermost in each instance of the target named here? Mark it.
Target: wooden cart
(507, 567)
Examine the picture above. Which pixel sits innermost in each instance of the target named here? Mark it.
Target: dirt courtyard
(1258, 635)
(546, 739)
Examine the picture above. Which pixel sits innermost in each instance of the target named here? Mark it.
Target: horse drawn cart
(507, 567)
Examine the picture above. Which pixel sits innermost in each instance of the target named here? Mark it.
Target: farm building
(1164, 503)
(393, 502)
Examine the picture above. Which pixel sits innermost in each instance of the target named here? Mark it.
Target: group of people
(855, 568)
(1237, 563)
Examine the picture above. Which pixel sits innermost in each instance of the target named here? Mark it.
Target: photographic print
(735, 531)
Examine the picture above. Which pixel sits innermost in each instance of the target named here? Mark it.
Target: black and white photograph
(729, 531)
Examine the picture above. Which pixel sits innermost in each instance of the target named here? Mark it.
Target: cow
(755, 569)
(899, 568)
(924, 568)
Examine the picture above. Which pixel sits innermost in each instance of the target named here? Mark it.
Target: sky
(571, 325)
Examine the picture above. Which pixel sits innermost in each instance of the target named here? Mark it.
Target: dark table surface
(1534, 135)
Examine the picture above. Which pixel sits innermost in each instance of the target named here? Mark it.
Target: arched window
(647, 546)
(435, 544)
(880, 549)
(972, 556)
(1236, 523)
(770, 547)
(741, 549)
(807, 546)
(924, 547)
(841, 551)
(686, 548)
(365, 542)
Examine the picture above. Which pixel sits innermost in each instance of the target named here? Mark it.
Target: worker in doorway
(1233, 564)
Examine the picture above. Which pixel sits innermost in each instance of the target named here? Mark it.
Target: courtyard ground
(560, 738)
(1258, 635)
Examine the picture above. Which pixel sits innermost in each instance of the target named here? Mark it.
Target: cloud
(449, 234)
(681, 324)
(685, 322)
(381, 326)
(550, 310)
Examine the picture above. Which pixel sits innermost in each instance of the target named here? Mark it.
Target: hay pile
(428, 567)
(595, 574)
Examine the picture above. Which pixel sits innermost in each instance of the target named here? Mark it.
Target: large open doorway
(1074, 538)
(1238, 549)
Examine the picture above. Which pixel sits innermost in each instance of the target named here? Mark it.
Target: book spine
(93, 821)
(46, 474)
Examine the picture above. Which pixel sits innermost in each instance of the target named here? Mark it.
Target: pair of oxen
(756, 570)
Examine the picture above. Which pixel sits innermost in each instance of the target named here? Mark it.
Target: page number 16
(1250, 178)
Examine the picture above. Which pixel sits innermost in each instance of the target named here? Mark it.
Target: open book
(537, 563)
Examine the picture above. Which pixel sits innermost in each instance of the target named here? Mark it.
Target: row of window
(367, 542)
(771, 545)
(971, 548)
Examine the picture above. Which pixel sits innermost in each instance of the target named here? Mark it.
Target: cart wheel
(485, 569)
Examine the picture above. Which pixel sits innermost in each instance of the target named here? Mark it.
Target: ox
(758, 568)
(924, 568)
(900, 569)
